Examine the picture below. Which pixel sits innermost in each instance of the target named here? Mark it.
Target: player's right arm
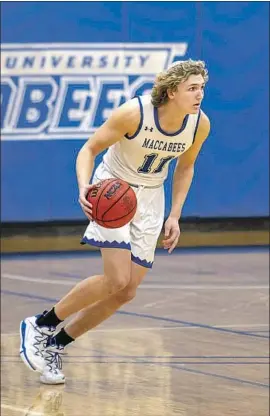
(124, 119)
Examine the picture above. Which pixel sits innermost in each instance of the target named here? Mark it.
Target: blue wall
(38, 165)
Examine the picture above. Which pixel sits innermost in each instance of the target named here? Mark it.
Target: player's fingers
(169, 241)
(87, 212)
(167, 234)
(88, 215)
(173, 245)
(83, 201)
(90, 186)
(86, 209)
(87, 189)
(166, 247)
(167, 231)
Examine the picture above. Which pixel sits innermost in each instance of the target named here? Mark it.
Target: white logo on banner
(51, 91)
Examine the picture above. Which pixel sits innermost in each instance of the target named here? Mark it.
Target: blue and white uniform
(142, 160)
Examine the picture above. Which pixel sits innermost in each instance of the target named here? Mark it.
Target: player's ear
(170, 94)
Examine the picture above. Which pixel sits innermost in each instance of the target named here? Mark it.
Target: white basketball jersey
(143, 158)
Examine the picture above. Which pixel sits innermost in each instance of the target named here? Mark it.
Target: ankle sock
(48, 319)
(61, 338)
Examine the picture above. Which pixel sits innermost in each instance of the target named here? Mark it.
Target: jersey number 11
(149, 161)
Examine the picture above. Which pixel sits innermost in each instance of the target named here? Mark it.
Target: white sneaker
(33, 343)
(52, 373)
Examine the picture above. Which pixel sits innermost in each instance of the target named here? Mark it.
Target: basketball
(114, 203)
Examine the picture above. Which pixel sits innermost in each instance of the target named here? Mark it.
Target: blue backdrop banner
(66, 66)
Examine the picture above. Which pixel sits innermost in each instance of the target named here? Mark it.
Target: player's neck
(170, 118)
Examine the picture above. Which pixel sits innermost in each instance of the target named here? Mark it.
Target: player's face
(189, 94)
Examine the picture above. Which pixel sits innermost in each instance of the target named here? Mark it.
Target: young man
(142, 137)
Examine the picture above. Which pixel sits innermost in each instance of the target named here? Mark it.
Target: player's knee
(118, 281)
(121, 282)
(126, 295)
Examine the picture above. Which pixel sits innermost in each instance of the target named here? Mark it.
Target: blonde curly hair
(170, 79)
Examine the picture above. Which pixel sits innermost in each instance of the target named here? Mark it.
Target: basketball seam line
(119, 218)
(102, 194)
(114, 205)
(96, 205)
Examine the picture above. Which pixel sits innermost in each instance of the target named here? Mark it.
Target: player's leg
(93, 315)
(145, 230)
(35, 330)
(144, 233)
(96, 288)
(85, 320)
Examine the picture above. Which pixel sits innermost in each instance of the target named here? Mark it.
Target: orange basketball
(114, 203)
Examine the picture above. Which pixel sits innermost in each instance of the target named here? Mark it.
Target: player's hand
(85, 205)
(172, 234)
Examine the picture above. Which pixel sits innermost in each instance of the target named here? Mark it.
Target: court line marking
(153, 317)
(191, 370)
(234, 379)
(71, 282)
(162, 328)
(194, 324)
(133, 361)
(266, 330)
(156, 328)
(171, 357)
(20, 409)
(37, 280)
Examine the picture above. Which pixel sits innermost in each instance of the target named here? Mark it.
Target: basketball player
(142, 136)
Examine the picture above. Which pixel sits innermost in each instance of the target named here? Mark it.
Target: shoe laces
(40, 340)
(53, 359)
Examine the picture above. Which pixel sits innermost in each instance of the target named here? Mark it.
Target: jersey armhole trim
(140, 124)
(196, 127)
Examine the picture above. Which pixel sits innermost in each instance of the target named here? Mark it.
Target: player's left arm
(182, 180)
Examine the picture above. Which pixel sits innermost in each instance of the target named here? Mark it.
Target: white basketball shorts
(141, 234)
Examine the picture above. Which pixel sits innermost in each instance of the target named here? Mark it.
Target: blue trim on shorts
(144, 263)
(140, 124)
(106, 244)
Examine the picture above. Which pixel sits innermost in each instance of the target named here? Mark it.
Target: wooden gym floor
(194, 342)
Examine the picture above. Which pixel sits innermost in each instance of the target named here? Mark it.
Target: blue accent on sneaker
(23, 327)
